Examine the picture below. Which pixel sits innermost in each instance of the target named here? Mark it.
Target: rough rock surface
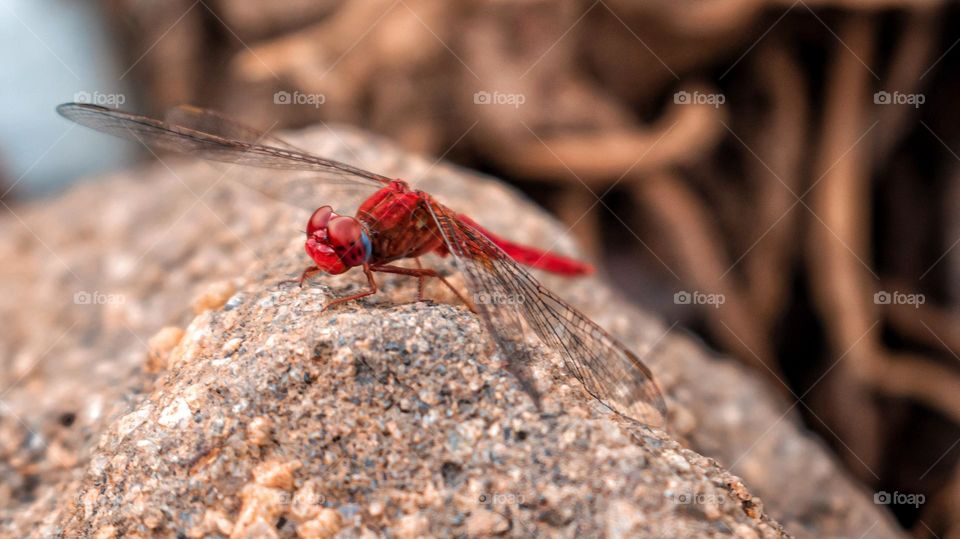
(157, 379)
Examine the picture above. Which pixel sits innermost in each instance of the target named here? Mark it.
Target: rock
(268, 418)
(159, 347)
(325, 524)
(214, 296)
(472, 462)
(483, 523)
(259, 431)
(274, 474)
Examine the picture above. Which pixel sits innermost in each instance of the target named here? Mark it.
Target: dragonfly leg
(421, 274)
(358, 295)
(421, 279)
(307, 273)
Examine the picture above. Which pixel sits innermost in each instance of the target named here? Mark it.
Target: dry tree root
(697, 242)
(838, 240)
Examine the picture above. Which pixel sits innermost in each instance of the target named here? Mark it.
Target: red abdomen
(533, 257)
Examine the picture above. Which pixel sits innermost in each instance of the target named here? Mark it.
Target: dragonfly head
(335, 242)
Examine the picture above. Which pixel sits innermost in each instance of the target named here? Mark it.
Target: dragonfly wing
(211, 121)
(502, 289)
(210, 136)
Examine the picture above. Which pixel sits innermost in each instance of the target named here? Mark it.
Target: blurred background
(781, 177)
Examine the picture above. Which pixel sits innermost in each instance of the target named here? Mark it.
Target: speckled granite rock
(157, 380)
(272, 421)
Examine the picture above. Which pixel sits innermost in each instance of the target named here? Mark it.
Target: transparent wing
(208, 135)
(503, 291)
(211, 121)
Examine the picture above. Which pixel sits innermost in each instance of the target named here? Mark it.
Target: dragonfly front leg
(421, 274)
(307, 273)
(365, 293)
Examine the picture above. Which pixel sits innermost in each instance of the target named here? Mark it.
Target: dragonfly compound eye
(343, 231)
(319, 219)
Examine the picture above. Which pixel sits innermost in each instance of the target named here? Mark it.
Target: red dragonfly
(398, 222)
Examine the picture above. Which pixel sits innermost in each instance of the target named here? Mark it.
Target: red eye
(319, 219)
(325, 257)
(343, 231)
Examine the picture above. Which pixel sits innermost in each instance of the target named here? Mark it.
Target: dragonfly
(398, 222)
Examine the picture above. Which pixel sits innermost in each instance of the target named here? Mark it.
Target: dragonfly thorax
(335, 242)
